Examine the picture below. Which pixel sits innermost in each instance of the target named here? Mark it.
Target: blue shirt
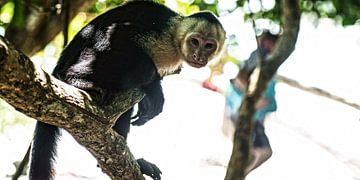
(234, 99)
(234, 96)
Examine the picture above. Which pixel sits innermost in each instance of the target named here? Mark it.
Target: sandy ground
(313, 138)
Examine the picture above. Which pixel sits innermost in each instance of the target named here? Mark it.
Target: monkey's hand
(151, 105)
(149, 169)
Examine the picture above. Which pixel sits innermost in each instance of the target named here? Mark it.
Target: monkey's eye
(194, 42)
(210, 46)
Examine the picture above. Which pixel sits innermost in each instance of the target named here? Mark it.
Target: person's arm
(268, 102)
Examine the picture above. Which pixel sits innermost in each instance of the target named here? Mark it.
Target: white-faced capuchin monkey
(130, 46)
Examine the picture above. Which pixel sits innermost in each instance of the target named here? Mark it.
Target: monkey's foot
(149, 169)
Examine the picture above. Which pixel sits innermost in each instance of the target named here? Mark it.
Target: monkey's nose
(196, 57)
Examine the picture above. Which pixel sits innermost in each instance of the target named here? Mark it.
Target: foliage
(102, 5)
(345, 11)
(207, 5)
(6, 13)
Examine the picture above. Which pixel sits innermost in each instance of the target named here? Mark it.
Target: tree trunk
(243, 127)
(40, 96)
(34, 25)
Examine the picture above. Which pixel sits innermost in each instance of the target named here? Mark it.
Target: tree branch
(317, 91)
(37, 94)
(241, 149)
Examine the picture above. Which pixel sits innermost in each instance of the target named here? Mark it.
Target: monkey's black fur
(110, 54)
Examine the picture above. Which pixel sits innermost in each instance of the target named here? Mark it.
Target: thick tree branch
(241, 150)
(39, 23)
(37, 94)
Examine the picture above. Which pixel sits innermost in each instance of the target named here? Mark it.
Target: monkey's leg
(151, 105)
(122, 126)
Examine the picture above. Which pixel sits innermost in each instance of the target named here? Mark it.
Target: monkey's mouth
(196, 62)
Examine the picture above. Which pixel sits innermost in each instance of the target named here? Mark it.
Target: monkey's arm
(151, 105)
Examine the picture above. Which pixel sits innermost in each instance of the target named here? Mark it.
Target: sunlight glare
(2, 31)
(255, 6)
(226, 5)
(209, 1)
(268, 4)
(187, 1)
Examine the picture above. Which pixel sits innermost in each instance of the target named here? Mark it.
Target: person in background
(260, 149)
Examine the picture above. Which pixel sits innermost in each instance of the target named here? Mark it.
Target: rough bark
(36, 23)
(284, 47)
(37, 94)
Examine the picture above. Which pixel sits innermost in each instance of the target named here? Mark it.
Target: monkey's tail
(43, 151)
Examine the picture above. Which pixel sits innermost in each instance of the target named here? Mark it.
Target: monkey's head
(202, 38)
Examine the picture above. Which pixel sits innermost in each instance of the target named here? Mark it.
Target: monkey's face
(203, 42)
(199, 49)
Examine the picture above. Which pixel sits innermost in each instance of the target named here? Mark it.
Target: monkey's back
(106, 52)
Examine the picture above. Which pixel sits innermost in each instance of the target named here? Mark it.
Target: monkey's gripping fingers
(149, 169)
(140, 121)
(151, 105)
(148, 110)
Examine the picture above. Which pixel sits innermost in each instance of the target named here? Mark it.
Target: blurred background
(312, 135)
